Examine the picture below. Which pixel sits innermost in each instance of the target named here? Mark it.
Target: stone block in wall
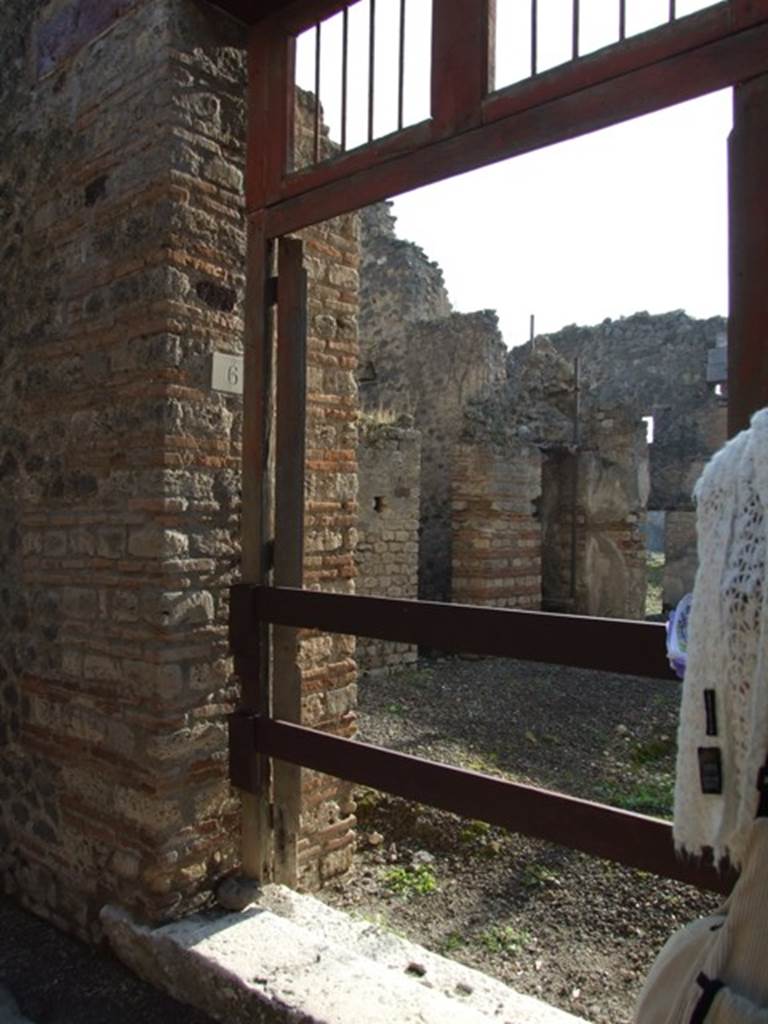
(387, 554)
(496, 536)
(680, 556)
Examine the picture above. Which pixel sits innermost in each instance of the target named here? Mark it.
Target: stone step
(289, 957)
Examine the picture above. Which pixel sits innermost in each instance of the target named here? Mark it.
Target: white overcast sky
(630, 218)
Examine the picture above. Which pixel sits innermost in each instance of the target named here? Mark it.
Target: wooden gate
(471, 125)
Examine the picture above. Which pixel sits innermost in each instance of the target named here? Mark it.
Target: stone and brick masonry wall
(657, 366)
(327, 661)
(388, 545)
(496, 536)
(611, 491)
(122, 141)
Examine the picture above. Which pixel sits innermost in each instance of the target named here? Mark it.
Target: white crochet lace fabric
(728, 634)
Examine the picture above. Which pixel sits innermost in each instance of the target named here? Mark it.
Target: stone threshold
(290, 958)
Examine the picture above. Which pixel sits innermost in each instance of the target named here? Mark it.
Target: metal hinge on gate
(245, 770)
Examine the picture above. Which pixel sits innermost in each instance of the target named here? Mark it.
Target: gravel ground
(576, 931)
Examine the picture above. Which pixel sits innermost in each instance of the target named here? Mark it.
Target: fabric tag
(710, 707)
(710, 770)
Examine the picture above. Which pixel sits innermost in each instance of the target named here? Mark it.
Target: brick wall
(496, 536)
(121, 195)
(611, 468)
(389, 458)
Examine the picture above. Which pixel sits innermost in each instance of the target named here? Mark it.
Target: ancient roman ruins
(515, 477)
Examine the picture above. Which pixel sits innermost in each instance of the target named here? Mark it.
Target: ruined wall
(656, 366)
(121, 196)
(398, 285)
(420, 358)
(387, 556)
(326, 661)
(496, 533)
(605, 482)
(681, 555)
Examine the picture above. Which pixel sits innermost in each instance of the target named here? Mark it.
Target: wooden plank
(289, 534)
(748, 254)
(611, 645)
(270, 114)
(293, 15)
(628, 838)
(640, 51)
(459, 64)
(256, 532)
(413, 137)
(684, 77)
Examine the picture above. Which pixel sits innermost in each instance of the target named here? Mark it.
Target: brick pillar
(496, 538)
(121, 195)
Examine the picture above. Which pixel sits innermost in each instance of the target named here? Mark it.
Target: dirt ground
(576, 931)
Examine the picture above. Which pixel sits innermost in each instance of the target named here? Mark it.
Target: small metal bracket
(244, 771)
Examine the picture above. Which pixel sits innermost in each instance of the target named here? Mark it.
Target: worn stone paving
(47, 977)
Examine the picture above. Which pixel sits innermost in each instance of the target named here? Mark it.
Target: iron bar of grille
(401, 68)
(576, 19)
(318, 49)
(371, 65)
(534, 35)
(672, 10)
(634, 840)
(613, 645)
(622, 20)
(344, 75)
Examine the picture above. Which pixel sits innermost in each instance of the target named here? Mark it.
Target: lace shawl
(728, 634)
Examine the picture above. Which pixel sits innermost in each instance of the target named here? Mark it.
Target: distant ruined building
(529, 467)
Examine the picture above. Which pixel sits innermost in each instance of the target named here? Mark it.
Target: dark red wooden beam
(294, 15)
(705, 69)
(748, 254)
(612, 645)
(631, 839)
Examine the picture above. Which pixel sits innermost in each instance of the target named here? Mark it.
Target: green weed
(653, 796)
(504, 939)
(535, 875)
(418, 881)
(654, 750)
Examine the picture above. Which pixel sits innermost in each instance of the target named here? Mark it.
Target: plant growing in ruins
(505, 940)
(407, 882)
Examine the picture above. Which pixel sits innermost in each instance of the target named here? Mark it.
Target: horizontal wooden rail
(612, 645)
(630, 839)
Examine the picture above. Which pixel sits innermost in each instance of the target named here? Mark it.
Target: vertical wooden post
(463, 48)
(257, 517)
(289, 534)
(256, 532)
(748, 253)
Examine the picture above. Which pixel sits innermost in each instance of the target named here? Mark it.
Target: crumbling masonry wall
(387, 555)
(467, 393)
(122, 142)
(657, 366)
(598, 568)
(422, 359)
(496, 532)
